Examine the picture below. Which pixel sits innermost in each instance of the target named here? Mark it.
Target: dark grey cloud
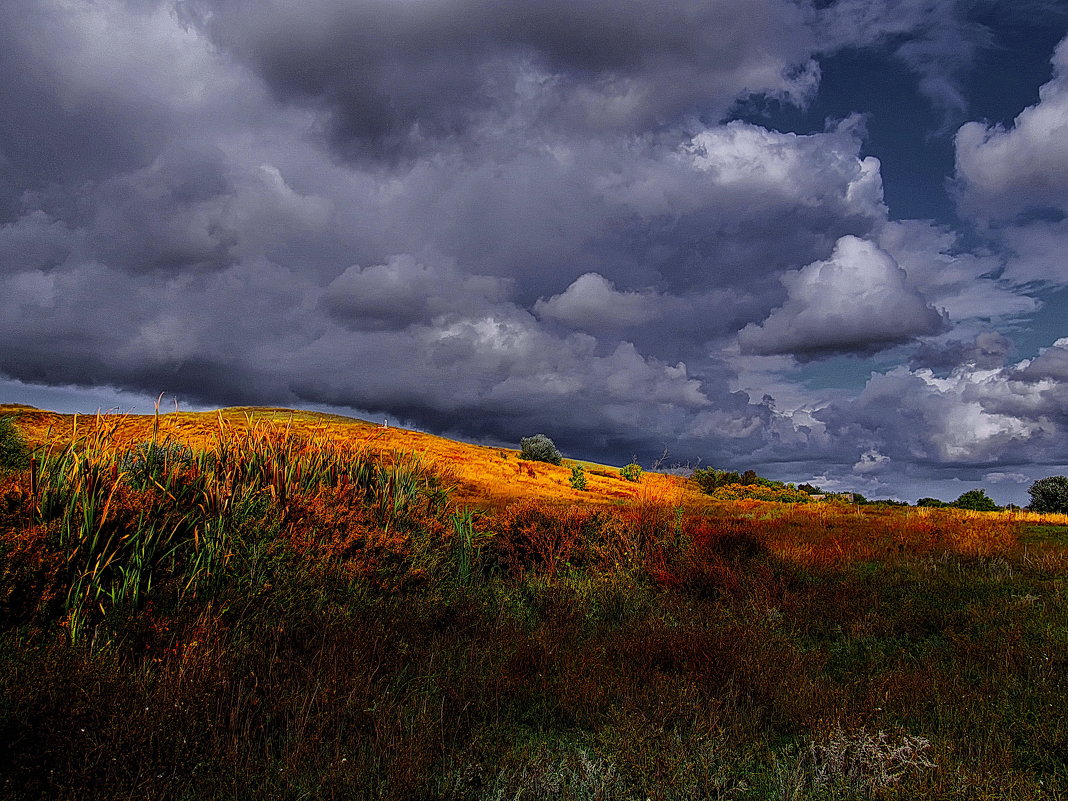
(1050, 365)
(61, 123)
(404, 292)
(396, 78)
(170, 216)
(988, 349)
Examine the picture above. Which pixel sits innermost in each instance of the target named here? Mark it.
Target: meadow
(261, 604)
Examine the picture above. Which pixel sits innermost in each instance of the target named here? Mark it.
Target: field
(264, 604)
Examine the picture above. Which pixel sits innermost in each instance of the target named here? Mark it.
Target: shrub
(976, 500)
(13, 451)
(578, 477)
(933, 503)
(1050, 495)
(532, 536)
(737, 492)
(632, 472)
(539, 448)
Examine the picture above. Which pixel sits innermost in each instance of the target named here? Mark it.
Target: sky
(823, 239)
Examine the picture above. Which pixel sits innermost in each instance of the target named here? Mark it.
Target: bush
(532, 536)
(632, 472)
(759, 492)
(1050, 495)
(932, 503)
(13, 452)
(578, 477)
(539, 448)
(976, 500)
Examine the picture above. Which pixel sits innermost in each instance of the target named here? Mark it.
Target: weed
(148, 462)
(14, 455)
(863, 761)
(857, 764)
(578, 477)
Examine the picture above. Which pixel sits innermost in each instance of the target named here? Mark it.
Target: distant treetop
(976, 500)
(1050, 495)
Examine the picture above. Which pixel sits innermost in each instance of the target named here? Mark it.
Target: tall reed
(126, 518)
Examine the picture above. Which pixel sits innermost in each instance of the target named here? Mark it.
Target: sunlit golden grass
(482, 475)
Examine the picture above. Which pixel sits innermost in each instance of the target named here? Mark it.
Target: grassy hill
(479, 475)
(260, 603)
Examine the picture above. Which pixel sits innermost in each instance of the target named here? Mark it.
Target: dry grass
(483, 475)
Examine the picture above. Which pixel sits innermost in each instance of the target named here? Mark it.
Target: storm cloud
(395, 78)
(491, 219)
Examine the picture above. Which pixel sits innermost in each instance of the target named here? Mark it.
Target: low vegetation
(263, 610)
(13, 451)
(578, 477)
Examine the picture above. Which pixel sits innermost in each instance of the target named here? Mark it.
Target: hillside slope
(480, 475)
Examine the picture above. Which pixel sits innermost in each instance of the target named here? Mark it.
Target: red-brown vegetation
(293, 609)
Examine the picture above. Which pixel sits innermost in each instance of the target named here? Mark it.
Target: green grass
(1044, 534)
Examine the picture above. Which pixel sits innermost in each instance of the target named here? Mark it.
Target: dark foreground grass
(346, 647)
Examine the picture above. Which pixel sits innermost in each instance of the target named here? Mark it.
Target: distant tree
(632, 472)
(539, 448)
(811, 489)
(750, 477)
(1049, 495)
(728, 477)
(13, 451)
(976, 500)
(934, 503)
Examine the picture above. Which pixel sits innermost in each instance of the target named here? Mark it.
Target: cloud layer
(490, 219)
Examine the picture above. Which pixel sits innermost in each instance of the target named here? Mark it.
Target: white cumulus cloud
(1003, 172)
(859, 298)
(593, 302)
